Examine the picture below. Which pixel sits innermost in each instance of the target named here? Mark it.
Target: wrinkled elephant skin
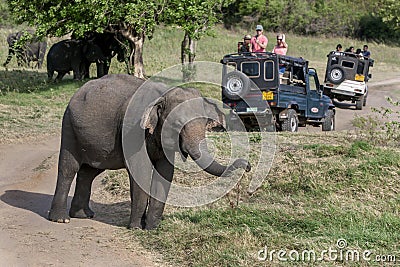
(92, 142)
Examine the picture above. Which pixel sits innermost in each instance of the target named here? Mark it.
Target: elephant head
(179, 119)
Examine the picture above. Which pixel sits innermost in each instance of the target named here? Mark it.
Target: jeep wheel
(329, 123)
(365, 99)
(336, 74)
(291, 124)
(360, 103)
(235, 85)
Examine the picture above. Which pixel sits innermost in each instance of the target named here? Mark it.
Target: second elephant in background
(72, 55)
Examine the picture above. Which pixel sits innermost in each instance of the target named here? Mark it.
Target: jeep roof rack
(296, 61)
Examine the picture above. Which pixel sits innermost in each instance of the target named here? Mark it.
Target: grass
(321, 187)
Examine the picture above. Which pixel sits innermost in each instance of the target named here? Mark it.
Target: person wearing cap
(281, 46)
(259, 41)
(245, 46)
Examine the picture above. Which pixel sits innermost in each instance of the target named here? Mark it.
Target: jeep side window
(313, 83)
(348, 64)
(251, 69)
(231, 66)
(269, 70)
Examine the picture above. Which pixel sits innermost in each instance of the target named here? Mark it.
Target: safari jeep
(346, 77)
(261, 97)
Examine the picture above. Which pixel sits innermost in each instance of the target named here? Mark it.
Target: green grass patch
(315, 194)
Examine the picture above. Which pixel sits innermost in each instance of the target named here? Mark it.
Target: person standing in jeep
(259, 42)
(281, 46)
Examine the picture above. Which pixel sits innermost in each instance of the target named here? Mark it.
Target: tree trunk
(188, 54)
(136, 57)
(138, 65)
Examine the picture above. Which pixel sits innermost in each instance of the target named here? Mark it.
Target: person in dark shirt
(365, 52)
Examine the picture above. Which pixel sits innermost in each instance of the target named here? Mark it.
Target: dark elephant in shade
(32, 50)
(98, 123)
(111, 44)
(72, 55)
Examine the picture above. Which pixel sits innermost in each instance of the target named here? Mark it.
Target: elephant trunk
(199, 153)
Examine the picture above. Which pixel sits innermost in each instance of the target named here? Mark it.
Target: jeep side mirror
(370, 75)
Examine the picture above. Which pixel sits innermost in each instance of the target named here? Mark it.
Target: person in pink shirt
(259, 41)
(281, 46)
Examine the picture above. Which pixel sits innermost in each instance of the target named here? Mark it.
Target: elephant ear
(216, 118)
(150, 116)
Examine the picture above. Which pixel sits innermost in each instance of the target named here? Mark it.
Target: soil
(27, 180)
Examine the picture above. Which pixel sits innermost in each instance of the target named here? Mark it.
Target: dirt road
(27, 180)
(27, 238)
(346, 112)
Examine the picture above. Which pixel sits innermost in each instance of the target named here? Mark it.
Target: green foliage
(317, 17)
(61, 17)
(195, 17)
(5, 17)
(389, 10)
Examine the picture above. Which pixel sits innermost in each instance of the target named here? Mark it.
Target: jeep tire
(336, 74)
(360, 103)
(365, 99)
(291, 124)
(329, 122)
(235, 85)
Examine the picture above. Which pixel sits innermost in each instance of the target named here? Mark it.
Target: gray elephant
(100, 117)
(111, 44)
(72, 55)
(32, 50)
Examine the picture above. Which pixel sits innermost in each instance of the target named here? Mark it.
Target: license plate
(359, 77)
(251, 109)
(267, 95)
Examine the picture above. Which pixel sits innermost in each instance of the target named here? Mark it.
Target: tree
(389, 11)
(134, 19)
(196, 18)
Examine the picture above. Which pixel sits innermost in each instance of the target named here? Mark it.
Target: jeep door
(315, 107)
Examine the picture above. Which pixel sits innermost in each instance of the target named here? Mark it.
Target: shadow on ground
(116, 214)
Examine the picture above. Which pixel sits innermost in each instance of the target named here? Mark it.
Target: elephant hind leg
(67, 168)
(80, 203)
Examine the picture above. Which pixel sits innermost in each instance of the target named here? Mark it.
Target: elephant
(100, 117)
(74, 55)
(111, 44)
(33, 50)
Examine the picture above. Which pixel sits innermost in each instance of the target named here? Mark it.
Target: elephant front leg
(80, 203)
(160, 185)
(67, 168)
(139, 198)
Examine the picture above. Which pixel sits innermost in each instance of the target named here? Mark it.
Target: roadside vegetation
(322, 187)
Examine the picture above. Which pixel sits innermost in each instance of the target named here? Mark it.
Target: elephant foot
(152, 224)
(138, 223)
(60, 217)
(82, 213)
(135, 226)
(150, 227)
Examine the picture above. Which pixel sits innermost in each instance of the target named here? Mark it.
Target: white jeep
(346, 77)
